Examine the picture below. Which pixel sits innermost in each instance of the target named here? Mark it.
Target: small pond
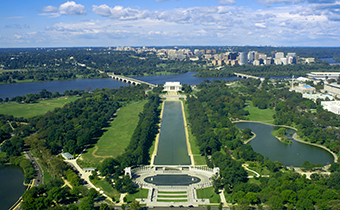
(294, 154)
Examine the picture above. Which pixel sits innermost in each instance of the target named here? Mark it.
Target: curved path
(245, 166)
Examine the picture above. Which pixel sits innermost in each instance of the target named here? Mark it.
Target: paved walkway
(86, 177)
(245, 166)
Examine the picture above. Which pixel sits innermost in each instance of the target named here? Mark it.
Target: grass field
(208, 193)
(260, 115)
(199, 160)
(108, 189)
(31, 110)
(172, 196)
(116, 137)
(166, 200)
(171, 192)
(141, 193)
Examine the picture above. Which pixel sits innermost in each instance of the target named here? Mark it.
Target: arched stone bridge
(129, 80)
(245, 76)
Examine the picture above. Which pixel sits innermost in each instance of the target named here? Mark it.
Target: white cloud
(226, 2)
(260, 25)
(68, 8)
(284, 25)
(119, 12)
(49, 8)
(71, 8)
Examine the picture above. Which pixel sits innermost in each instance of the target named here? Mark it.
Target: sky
(105, 23)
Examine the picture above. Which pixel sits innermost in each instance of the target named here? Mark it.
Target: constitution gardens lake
(11, 185)
(288, 154)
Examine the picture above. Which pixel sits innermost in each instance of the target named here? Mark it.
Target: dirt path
(93, 153)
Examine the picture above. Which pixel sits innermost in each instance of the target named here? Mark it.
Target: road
(39, 175)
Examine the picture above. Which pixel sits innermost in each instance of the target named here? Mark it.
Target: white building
(172, 86)
(332, 106)
(323, 75)
(279, 55)
(303, 88)
(332, 88)
(67, 156)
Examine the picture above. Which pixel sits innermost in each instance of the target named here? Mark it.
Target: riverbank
(253, 137)
(296, 138)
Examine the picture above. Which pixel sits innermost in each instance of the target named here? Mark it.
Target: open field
(208, 193)
(116, 137)
(199, 160)
(31, 110)
(108, 189)
(141, 193)
(260, 115)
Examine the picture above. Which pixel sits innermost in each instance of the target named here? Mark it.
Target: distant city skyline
(60, 23)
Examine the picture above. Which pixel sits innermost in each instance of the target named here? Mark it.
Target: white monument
(172, 86)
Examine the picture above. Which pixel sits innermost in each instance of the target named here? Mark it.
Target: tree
(107, 167)
(289, 196)
(104, 206)
(87, 204)
(134, 205)
(275, 203)
(304, 204)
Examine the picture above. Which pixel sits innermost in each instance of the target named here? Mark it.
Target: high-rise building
(251, 56)
(232, 56)
(279, 55)
(243, 58)
(291, 58)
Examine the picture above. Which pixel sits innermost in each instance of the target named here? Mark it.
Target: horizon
(81, 23)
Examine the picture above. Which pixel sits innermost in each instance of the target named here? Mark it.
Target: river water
(20, 89)
(172, 146)
(11, 187)
(329, 60)
(289, 154)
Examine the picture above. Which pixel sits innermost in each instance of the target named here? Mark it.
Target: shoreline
(295, 137)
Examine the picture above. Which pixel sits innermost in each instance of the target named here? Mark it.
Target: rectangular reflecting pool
(172, 145)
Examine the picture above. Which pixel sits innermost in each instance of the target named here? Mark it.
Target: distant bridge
(129, 80)
(245, 76)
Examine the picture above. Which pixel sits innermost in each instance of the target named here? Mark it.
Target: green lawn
(172, 196)
(172, 192)
(260, 115)
(141, 193)
(31, 110)
(199, 160)
(166, 200)
(208, 193)
(116, 137)
(108, 189)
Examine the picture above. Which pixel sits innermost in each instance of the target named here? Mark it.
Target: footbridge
(245, 76)
(129, 80)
